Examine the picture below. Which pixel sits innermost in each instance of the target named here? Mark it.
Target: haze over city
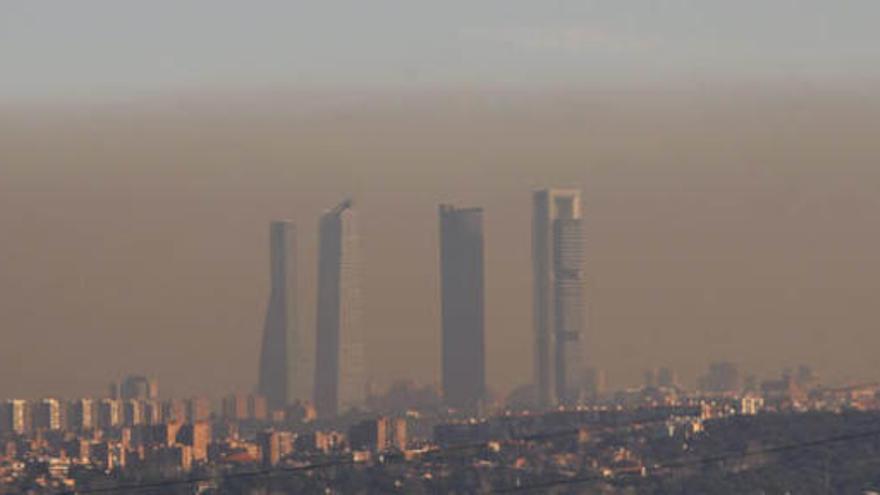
(455, 247)
(727, 165)
(720, 225)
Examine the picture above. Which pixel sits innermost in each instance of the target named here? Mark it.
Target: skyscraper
(286, 359)
(461, 269)
(557, 251)
(339, 374)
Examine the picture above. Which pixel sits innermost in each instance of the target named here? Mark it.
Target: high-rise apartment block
(47, 415)
(234, 407)
(245, 406)
(109, 413)
(378, 434)
(198, 409)
(15, 417)
(196, 435)
(274, 445)
(133, 412)
(81, 415)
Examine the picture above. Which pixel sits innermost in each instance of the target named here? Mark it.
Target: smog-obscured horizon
(721, 224)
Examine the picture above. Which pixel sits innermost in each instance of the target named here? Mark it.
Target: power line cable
(440, 452)
(698, 462)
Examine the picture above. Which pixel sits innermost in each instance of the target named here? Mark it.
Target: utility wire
(432, 454)
(440, 452)
(199, 479)
(698, 462)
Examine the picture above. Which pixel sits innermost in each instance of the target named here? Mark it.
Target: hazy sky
(99, 47)
(720, 225)
(727, 151)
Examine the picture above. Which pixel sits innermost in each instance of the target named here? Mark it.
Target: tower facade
(557, 252)
(340, 372)
(461, 270)
(286, 366)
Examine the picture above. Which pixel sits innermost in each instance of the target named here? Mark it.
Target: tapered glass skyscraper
(286, 366)
(461, 280)
(340, 371)
(557, 251)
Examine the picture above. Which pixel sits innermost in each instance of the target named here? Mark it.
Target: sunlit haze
(339, 238)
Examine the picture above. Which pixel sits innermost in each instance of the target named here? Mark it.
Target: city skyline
(124, 444)
(339, 363)
(557, 215)
(661, 188)
(452, 247)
